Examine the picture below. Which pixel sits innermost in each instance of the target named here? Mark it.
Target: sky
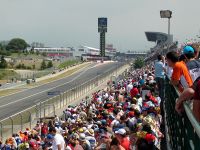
(71, 23)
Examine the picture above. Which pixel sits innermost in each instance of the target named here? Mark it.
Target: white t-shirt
(58, 140)
(129, 87)
(145, 76)
(59, 130)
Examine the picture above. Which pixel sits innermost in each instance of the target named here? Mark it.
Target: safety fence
(183, 131)
(48, 108)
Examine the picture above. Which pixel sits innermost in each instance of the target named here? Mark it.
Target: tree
(139, 63)
(37, 52)
(17, 44)
(43, 65)
(1, 47)
(12, 64)
(3, 63)
(50, 64)
(33, 66)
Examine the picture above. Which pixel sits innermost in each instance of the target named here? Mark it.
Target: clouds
(74, 22)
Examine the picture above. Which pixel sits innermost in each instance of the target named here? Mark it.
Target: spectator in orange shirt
(180, 76)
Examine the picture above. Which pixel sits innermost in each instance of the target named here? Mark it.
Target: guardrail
(183, 131)
(27, 118)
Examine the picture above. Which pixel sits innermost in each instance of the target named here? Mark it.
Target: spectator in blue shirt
(159, 76)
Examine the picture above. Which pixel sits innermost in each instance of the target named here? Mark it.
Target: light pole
(167, 14)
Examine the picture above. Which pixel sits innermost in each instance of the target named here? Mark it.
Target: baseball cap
(121, 131)
(188, 50)
(49, 136)
(103, 122)
(131, 114)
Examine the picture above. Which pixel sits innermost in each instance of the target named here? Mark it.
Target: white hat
(73, 121)
(84, 129)
(120, 131)
(82, 136)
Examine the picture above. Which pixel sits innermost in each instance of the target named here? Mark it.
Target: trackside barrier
(183, 131)
(28, 117)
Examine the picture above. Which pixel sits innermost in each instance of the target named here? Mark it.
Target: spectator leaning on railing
(193, 92)
(180, 75)
(188, 94)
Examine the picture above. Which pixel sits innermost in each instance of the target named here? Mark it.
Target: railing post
(21, 121)
(63, 99)
(1, 130)
(60, 101)
(54, 110)
(79, 91)
(40, 109)
(12, 129)
(70, 96)
(76, 92)
(67, 98)
(30, 118)
(44, 110)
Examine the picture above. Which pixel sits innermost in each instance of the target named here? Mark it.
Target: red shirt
(44, 129)
(134, 92)
(125, 143)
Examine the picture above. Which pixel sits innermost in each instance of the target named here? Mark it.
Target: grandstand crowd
(125, 116)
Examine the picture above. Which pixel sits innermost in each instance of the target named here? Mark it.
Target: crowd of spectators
(124, 116)
(127, 115)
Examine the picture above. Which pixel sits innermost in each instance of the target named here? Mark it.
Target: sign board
(53, 93)
(102, 24)
(165, 14)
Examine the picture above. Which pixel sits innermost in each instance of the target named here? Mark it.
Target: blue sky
(66, 23)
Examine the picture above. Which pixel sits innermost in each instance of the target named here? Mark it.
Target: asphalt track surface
(12, 104)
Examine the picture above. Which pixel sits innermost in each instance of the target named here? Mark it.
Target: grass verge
(9, 91)
(67, 63)
(7, 74)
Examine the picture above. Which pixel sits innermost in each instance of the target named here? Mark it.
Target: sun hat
(91, 132)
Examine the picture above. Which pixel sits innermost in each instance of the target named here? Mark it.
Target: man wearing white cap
(123, 139)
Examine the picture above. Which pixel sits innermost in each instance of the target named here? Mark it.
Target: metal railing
(28, 118)
(183, 131)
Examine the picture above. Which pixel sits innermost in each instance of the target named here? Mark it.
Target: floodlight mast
(167, 14)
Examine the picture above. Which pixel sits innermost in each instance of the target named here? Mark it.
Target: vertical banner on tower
(102, 29)
(102, 25)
